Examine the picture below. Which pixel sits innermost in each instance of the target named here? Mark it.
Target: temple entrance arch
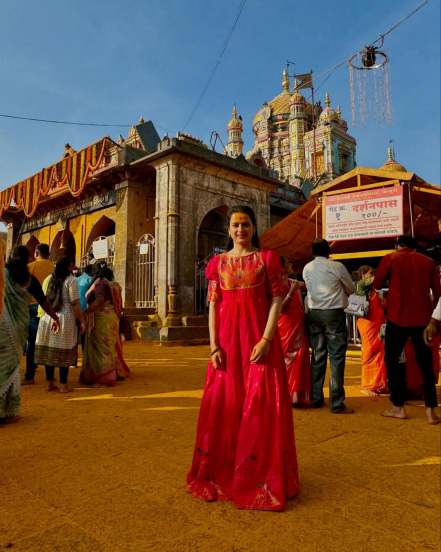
(212, 239)
(63, 245)
(103, 227)
(212, 233)
(100, 243)
(31, 244)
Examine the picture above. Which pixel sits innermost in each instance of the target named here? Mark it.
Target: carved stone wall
(186, 190)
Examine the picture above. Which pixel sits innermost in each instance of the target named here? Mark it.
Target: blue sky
(113, 61)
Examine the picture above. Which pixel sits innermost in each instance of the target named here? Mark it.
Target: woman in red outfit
(245, 448)
(295, 345)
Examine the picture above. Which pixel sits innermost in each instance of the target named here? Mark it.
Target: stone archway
(212, 233)
(63, 245)
(103, 227)
(31, 244)
(212, 238)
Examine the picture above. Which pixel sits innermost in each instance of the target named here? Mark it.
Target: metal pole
(410, 210)
(314, 169)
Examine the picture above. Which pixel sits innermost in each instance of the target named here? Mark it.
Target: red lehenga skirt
(295, 346)
(245, 449)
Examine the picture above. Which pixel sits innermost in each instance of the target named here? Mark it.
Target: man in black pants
(414, 290)
(328, 284)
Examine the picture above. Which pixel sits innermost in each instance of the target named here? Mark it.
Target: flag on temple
(303, 81)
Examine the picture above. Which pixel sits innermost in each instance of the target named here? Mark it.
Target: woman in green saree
(18, 286)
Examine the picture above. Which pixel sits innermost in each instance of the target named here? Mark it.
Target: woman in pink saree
(245, 449)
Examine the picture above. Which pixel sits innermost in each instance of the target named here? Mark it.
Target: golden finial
(338, 111)
(327, 100)
(234, 112)
(390, 152)
(285, 80)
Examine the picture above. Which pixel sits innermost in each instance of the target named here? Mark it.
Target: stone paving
(104, 470)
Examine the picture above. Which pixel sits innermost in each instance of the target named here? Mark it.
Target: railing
(353, 335)
(144, 285)
(107, 254)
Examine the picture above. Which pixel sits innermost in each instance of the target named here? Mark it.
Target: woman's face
(367, 275)
(241, 229)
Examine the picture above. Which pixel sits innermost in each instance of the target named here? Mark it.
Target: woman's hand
(260, 350)
(217, 359)
(82, 326)
(55, 326)
(430, 332)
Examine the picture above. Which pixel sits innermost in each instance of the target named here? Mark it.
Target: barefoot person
(60, 349)
(245, 450)
(413, 279)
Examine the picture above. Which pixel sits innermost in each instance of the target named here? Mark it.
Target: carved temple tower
(235, 128)
(297, 129)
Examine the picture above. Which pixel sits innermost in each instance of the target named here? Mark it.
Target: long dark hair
(17, 265)
(245, 210)
(55, 288)
(103, 271)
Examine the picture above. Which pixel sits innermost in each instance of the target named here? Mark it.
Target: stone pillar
(167, 228)
(263, 213)
(129, 210)
(173, 316)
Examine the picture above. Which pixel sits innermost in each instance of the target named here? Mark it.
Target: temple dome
(391, 164)
(328, 114)
(278, 106)
(235, 121)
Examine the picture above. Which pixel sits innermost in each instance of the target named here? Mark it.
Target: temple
(298, 140)
(153, 208)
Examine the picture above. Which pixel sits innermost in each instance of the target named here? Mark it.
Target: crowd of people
(46, 313)
(271, 334)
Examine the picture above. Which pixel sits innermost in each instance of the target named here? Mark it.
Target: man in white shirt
(329, 284)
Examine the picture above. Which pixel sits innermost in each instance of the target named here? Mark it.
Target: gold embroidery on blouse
(241, 272)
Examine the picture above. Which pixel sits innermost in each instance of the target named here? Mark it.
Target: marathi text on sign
(374, 213)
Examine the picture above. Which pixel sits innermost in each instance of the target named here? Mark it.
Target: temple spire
(390, 152)
(327, 100)
(285, 80)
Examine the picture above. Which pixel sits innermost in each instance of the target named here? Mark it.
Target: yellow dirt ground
(104, 470)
